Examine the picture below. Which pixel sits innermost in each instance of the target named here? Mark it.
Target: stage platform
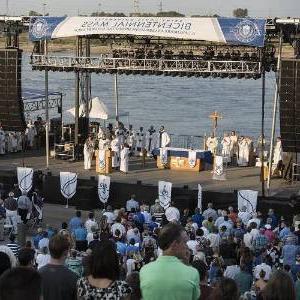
(149, 175)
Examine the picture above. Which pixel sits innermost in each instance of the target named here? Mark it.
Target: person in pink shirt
(269, 234)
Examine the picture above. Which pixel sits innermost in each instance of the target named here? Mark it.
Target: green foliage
(240, 12)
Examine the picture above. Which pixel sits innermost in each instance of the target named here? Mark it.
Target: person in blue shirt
(197, 217)
(36, 239)
(131, 247)
(284, 231)
(75, 222)
(80, 235)
(152, 225)
(139, 219)
(272, 215)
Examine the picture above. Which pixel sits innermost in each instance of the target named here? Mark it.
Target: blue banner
(249, 32)
(41, 28)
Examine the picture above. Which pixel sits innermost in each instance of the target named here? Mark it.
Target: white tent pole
(274, 113)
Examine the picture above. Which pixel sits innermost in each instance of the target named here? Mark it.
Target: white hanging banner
(68, 184)
(248, 199)
(102, 159)
(25, 176)
(219, 172)
(164, 193)
(163, 154)
(103, 188)
(192, 158)
(199, 197)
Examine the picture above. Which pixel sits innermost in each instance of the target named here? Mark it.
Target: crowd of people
(148, 252)
(13, 141)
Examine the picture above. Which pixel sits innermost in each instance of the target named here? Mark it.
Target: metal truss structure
(153, 66)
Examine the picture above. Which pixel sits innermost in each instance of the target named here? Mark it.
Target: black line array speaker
(289, 92)
(11, 105)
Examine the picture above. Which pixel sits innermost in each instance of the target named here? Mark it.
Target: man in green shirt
(168, 278)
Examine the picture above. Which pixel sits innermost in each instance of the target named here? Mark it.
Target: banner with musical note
(164, 193)
(248, 199)
(25, 176)
(103, 188)
(68, 184)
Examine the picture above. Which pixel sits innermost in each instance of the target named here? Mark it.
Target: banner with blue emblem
(68, 185)
(25, 176)
(103, 188)
(235, 31)
(164, 193)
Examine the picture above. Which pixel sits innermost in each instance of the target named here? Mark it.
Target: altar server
(124, 156)
(88, 152)
(30, 133)
(140, 141)
(277, 158)
(151, 140)
(212, 144)
(226, 142)
(2, 141)
(244, 149)
(233, 145)
(164, 138)
(115, 147)
(104, 143)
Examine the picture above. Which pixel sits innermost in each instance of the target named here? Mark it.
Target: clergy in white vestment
(120, 132)
(164, 138)
(30, 133)
(259, 146)
(14, 141)
(131, 139)
(101, 132)
(19, 141)
(115, 147)
(212, 144)
(277, 157)
(2, 141)
(233, 145)
(124, 158)
(244, 150)
(226, 143)
(103, 143)
(151, 140)
(140, 141)
(88, 151)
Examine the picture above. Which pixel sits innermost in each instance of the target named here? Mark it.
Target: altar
(183, 159)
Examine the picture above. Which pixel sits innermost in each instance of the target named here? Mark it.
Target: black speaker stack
(289, 91)
(11, 105)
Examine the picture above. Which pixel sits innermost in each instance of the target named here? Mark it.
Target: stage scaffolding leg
(262, 173)
(77, 90)
(274, 114)
(47, 105)
(116, 93)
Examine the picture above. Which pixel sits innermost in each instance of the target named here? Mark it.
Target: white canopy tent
(98, 111)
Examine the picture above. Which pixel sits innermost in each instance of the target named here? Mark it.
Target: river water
(182, 104)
